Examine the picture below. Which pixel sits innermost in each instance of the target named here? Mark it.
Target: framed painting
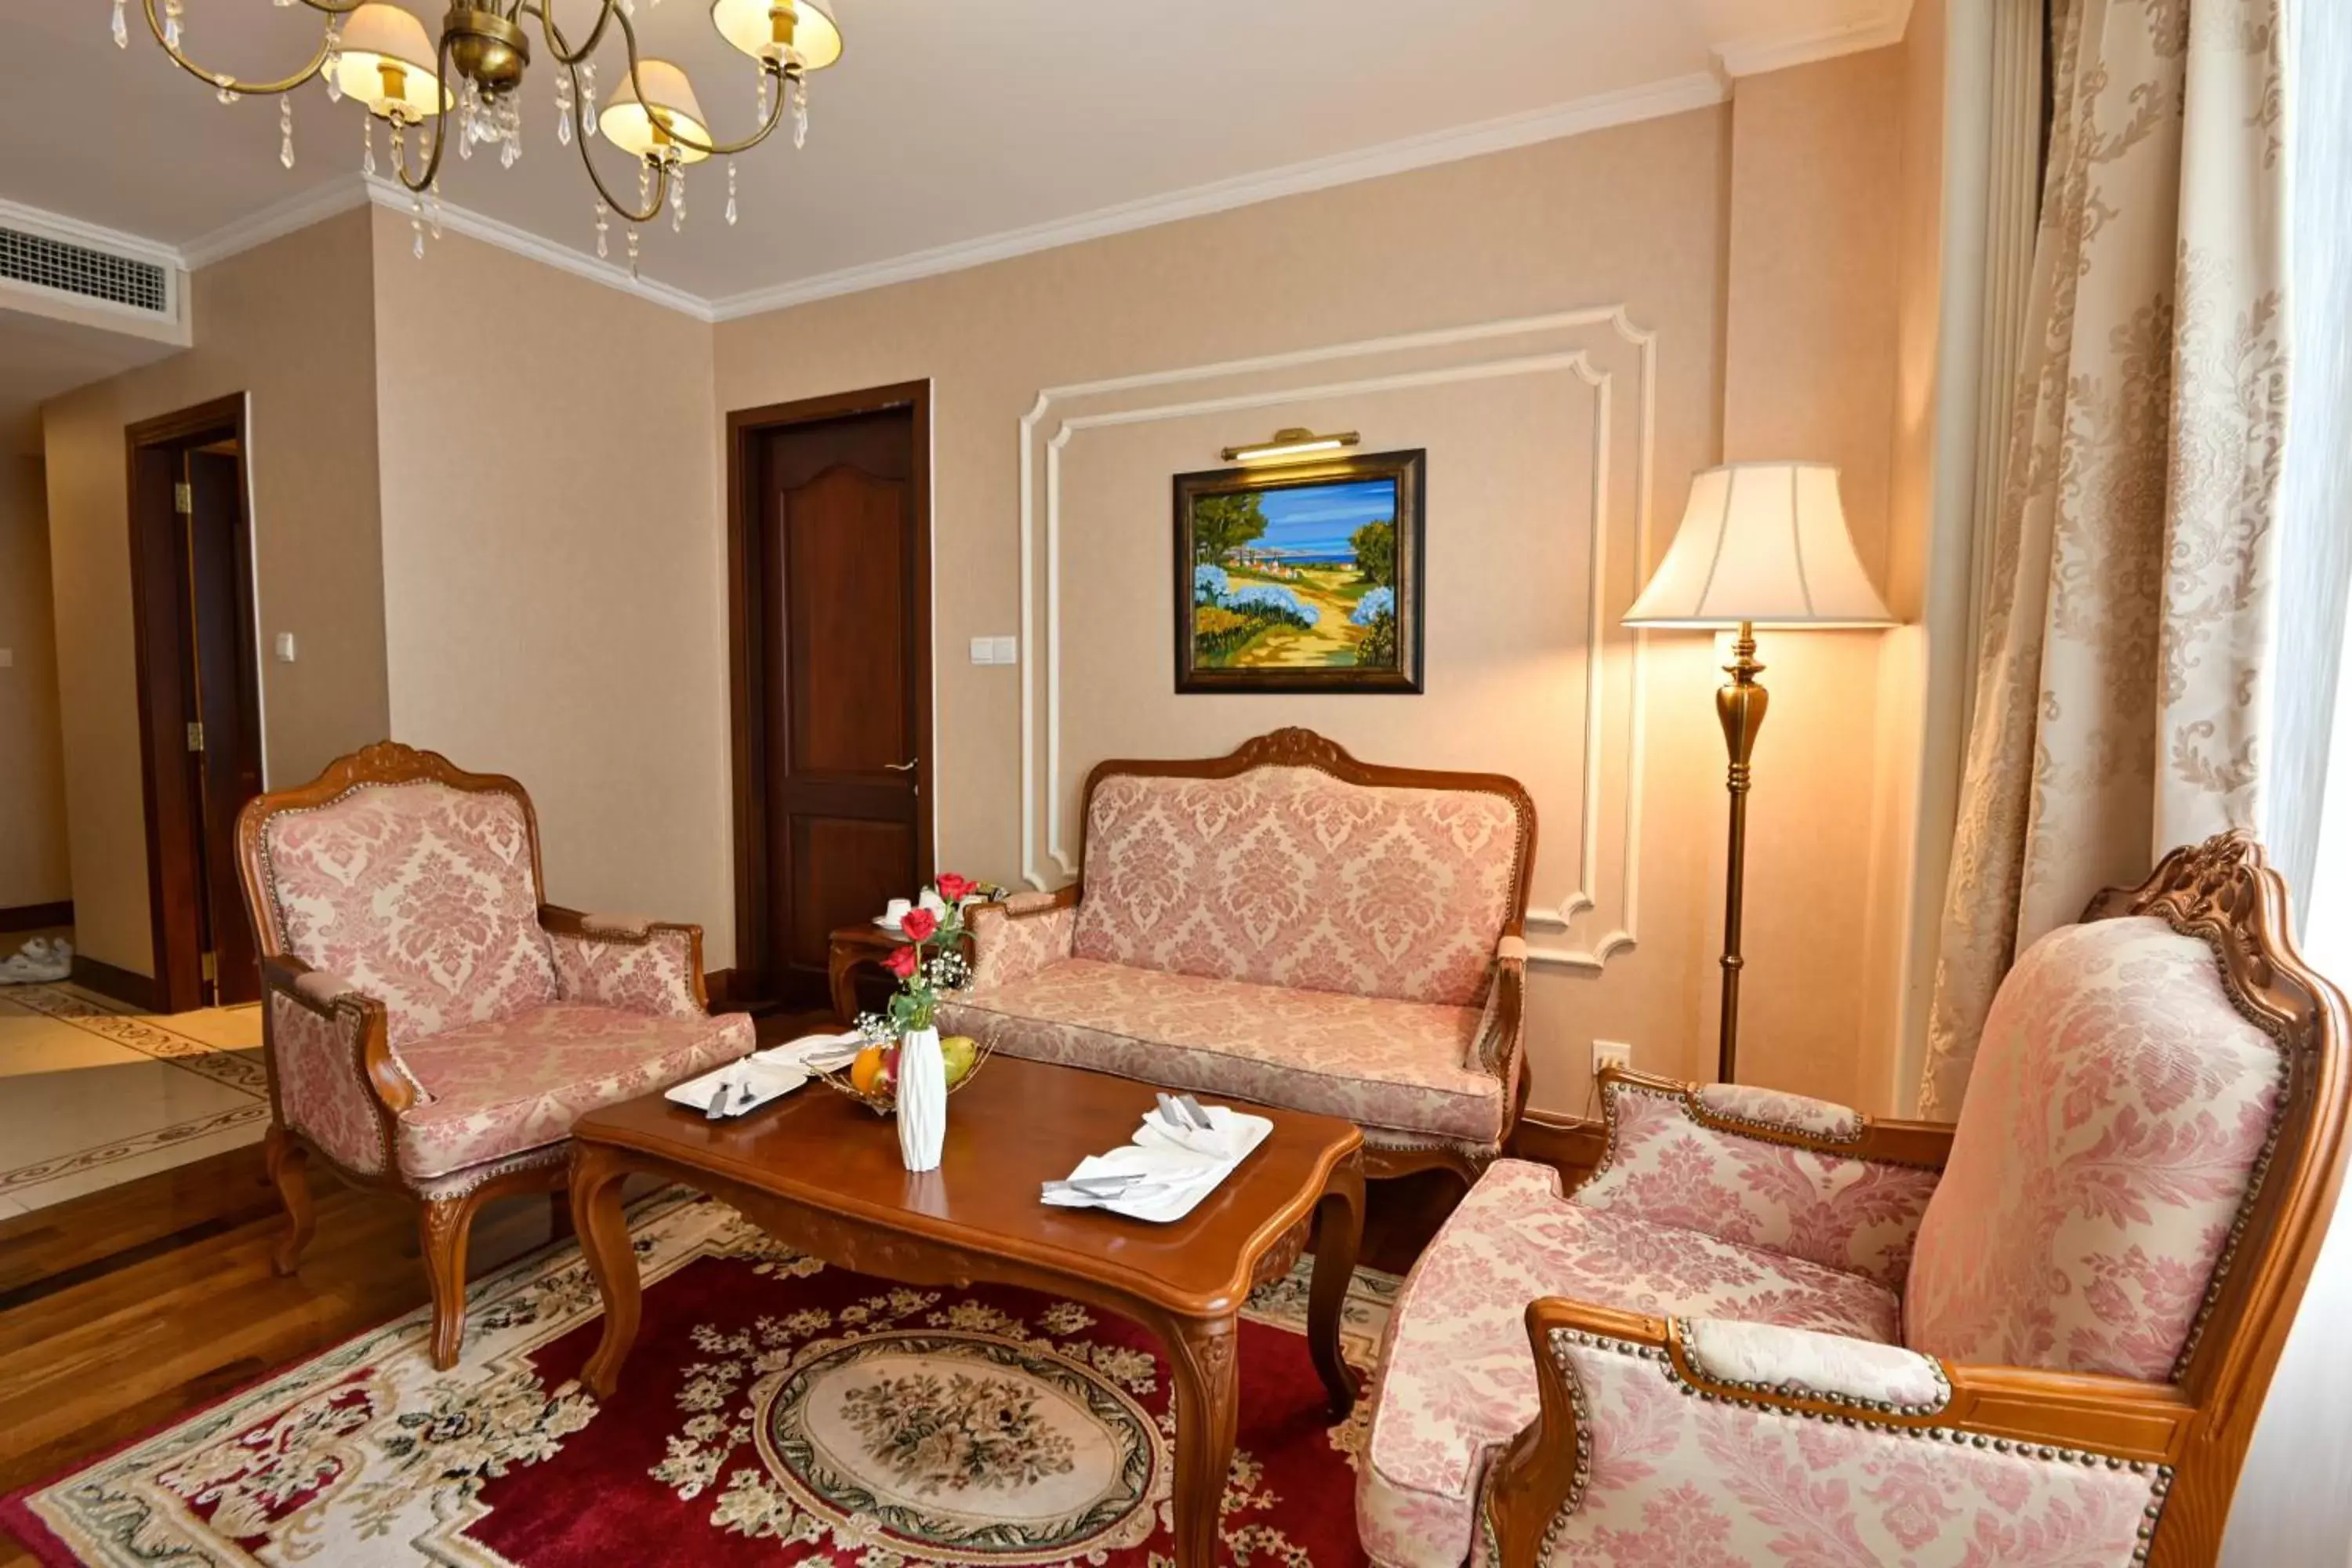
(1305, 577)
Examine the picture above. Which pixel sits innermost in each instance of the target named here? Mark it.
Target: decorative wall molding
(1579, 898)
(276, 221)
(1752, 57)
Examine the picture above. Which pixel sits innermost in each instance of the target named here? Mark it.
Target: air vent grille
(79, 269)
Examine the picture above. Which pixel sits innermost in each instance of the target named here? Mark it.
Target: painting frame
(1196, 671)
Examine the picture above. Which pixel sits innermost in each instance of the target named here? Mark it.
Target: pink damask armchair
(430, 1025)
(1768, 1328)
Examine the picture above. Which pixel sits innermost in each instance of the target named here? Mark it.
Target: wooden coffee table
(821, 1174)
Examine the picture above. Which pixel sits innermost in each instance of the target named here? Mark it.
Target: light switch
(983, 650)
(1005, 650)
(284, 648)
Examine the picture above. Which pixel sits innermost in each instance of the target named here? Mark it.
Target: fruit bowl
(869, 1079)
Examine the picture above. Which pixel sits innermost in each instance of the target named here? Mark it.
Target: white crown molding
(277, 220)
(389, 194)
(1676, 95)
(1559, 917)
(1754, 55)
(1575, 117)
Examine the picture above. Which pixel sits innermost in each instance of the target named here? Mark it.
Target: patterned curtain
(2119, 692)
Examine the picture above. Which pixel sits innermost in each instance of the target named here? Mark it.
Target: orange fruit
(867, 1070)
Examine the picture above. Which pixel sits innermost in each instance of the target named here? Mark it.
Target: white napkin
(1223, 1140)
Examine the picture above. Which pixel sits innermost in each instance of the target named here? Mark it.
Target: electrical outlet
(1608, 1054)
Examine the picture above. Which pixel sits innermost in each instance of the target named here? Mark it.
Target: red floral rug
(775, 1410)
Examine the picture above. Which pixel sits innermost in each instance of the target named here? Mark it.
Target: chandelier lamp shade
(1761, 545)
(464, 89)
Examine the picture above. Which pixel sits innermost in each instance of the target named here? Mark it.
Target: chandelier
(378, 55)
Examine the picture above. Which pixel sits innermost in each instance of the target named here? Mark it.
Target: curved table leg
(1208, 1414)
(1339, 1232)
(603, 1231)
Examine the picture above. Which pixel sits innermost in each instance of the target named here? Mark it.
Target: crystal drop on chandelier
(730, 193)
(286, 130)
(588, 98)
(800, 112)
(416, 227)
(227, 93)
(633, 251)
(763, 93)
(332, 63)
(676, 200)
(434, 211)
(173, 34)
(121, 29)
(602, 248)
(564, 108)
(367, 163)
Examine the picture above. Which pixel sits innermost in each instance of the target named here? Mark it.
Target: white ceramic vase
(923, 1100)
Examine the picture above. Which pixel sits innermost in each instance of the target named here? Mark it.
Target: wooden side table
(849, 949)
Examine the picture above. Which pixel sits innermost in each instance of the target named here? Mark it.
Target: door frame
(161, 671)
(746, 644)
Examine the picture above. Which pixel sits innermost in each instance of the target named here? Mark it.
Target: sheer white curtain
(2295, 1503)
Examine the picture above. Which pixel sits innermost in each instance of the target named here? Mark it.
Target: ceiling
(947, 126)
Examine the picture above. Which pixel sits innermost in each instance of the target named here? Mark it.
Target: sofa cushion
(2110, 1133)
(1386, 1065)
(1287, 876)
(1458, 1378)
(507, 1085)
(420, 895)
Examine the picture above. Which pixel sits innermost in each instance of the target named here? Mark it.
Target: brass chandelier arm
(562, 53)
(611, 12)
(235, 84)
(441, 132)
(626, 213)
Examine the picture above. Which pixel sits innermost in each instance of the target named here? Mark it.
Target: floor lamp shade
(1764, 543)
(1761, 545)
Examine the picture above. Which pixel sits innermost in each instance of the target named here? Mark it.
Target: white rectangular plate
(1174, 1204)
(770, 1081)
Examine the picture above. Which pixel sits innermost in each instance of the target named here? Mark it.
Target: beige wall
(553, 564)
(290, 326)
(32, 771)
(1755, 242)
(1811, 372)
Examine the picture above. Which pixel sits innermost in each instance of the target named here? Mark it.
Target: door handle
(906, 767)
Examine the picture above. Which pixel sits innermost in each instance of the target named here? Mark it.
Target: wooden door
(199, 698)
(224, 682)
(837, 584)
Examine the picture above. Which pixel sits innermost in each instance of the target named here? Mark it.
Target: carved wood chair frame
(443, 1222)
(1301, 748)
(2190, 1434)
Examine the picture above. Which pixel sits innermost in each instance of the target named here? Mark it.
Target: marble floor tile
(91, 1094)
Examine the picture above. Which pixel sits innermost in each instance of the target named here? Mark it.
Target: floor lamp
(1761, 545)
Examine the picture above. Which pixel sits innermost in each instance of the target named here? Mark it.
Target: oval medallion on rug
(953, 1447)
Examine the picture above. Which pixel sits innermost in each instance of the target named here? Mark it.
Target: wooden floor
(125, 1309)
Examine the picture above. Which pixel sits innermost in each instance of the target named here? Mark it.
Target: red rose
(917, 923)
(902, 962)
(955, 888)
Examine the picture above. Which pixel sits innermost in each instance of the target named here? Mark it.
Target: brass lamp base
(1740, 706)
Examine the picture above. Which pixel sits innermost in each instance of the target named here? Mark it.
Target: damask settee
(430, 1025)
(1288, 926)
(1768, 1328)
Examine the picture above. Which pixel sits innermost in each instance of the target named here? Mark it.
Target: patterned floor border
(131, 1148)
(240, 1070)
(151, 1037)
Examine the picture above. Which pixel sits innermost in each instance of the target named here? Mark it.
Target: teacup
(895, 912)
